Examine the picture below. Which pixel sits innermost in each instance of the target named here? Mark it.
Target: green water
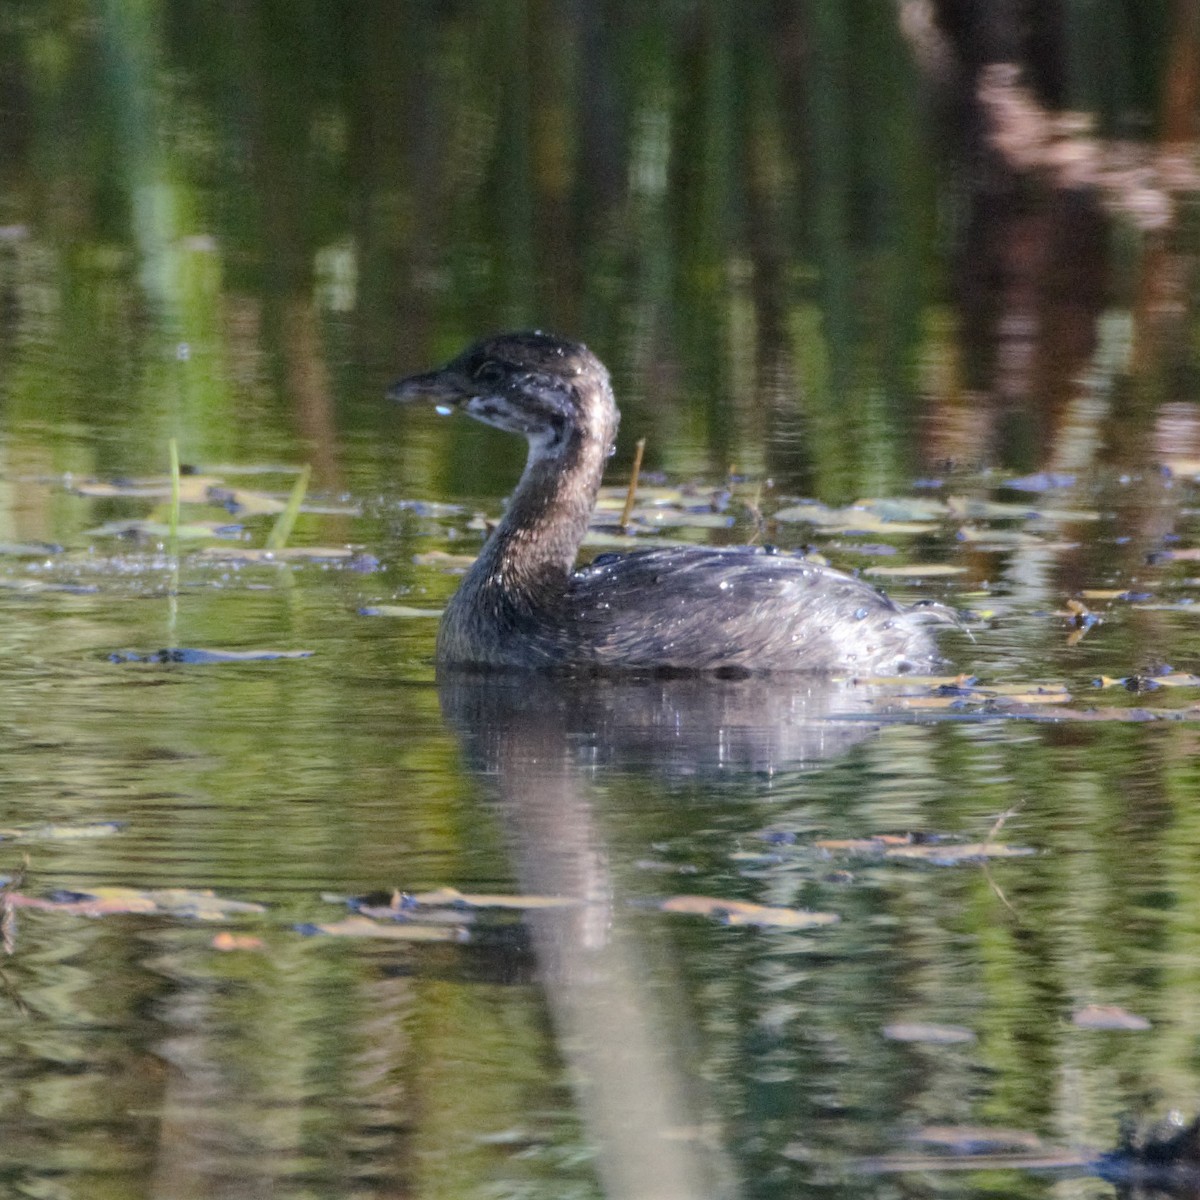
(784, 229)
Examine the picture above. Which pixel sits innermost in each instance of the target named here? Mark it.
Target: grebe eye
(489, 373)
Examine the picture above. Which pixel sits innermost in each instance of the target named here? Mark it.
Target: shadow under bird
(523, 604)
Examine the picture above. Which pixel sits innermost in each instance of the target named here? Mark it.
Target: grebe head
(549, 390)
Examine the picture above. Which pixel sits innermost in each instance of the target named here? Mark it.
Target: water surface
(830, 257)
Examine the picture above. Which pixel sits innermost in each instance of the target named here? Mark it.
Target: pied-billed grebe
(688, 608)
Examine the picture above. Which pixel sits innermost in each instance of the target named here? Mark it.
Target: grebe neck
(531, 553)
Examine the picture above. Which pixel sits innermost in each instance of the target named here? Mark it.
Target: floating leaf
(28, 549)
(668, 517)
(1028, 693)
(430, 508)
(948, 854)
(227, 941)
(1182, 465)
(64, 833)
(613, 498)
(454, 898)
(1043, 481)
(397, 610)
(1149, 683)
(444, 560)
(193, 489)
(739, 912)
(396, 931)
(917, 570)
(194, 657)
(1108, 1016)
(992, 510)
(137, 527)
(1040, 696)
(931, 681)
(848, 520)
(245, 502)
(945, 699)
(976, 1139)
(877, 845)
(284, 554)
(1174, 679)
(928, 1033)
(928, 849)
(1000, 539)
(1112, 594)
(904, 508)
(99, 902)
(134, 489)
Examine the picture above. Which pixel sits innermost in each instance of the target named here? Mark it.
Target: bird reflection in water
(541, 744)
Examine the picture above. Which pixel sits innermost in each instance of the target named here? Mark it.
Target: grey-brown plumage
(523, 604)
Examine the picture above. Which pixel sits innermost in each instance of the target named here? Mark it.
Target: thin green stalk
(173, 515)
(173, 544)
(278, 537)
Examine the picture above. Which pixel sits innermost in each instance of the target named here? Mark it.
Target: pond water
(286, 914)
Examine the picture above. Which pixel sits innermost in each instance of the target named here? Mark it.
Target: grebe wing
(700, 608)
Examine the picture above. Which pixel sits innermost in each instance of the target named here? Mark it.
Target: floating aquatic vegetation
(949, 854)
(612, 499)
(972, 508)
(226, 941)
(202, 905)
(1108, 1017)
(397, 610)
(395, 931)
(146, 529)
(403, 904)
(245, 502)
(1149, 683)
(1043, 481)
(916, 570)
(443, 560)
(66, 832)
(975, 1139)
(254, 554)
(853, 519)
(1000, 539)
(929, 1033)
(1113, 594)
(936, 851)
(194, 657)
(666, 518)
(29, 549)
(34, 586)
(740, 912)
